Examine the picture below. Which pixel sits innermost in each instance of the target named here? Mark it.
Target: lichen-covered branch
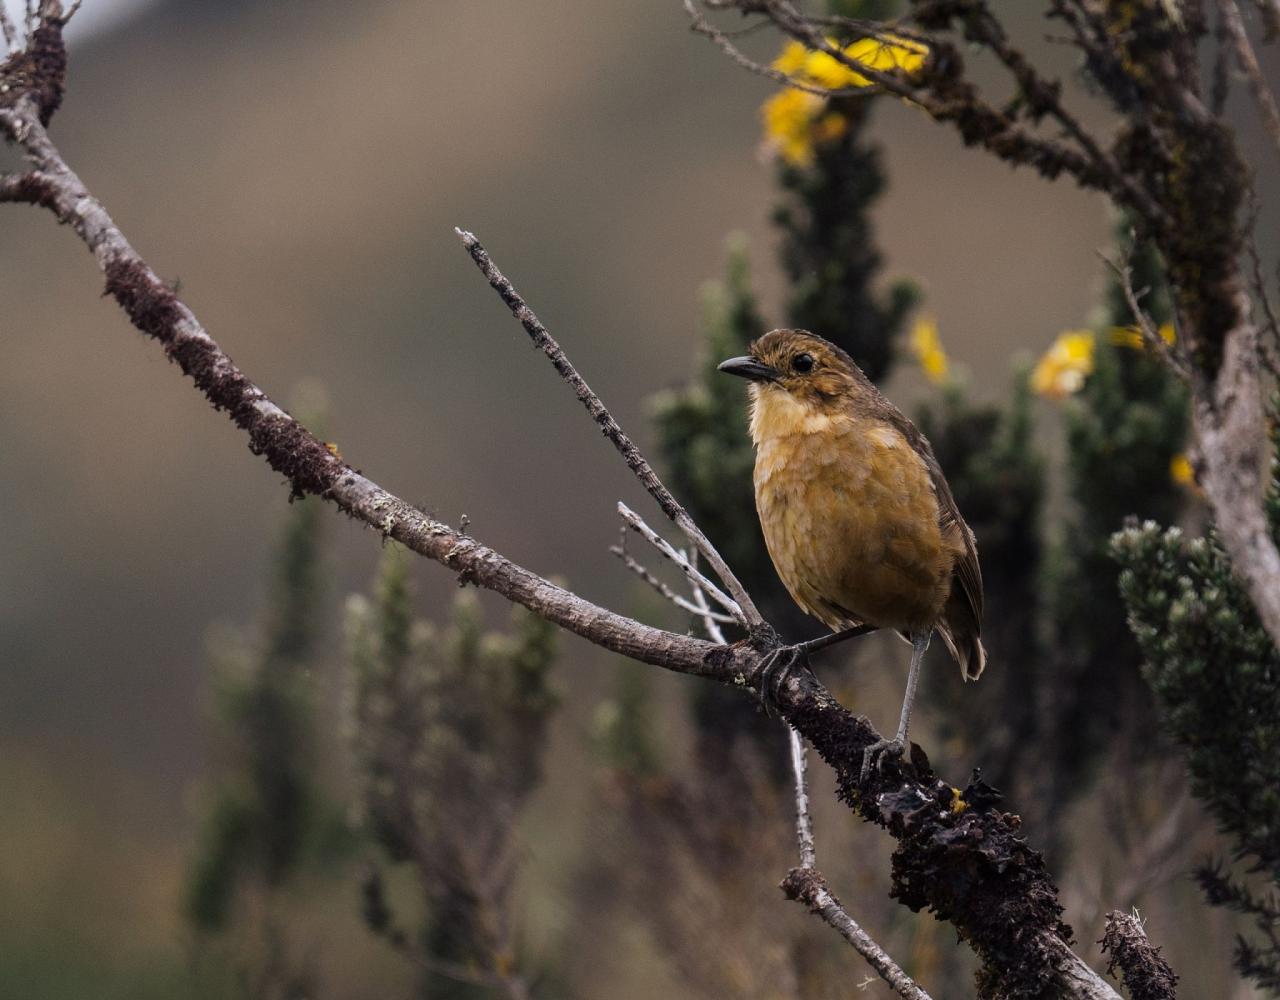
(1147, 976)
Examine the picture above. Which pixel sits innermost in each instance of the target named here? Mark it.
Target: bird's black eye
(802, 363)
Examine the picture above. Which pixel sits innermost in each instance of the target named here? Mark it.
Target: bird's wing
(967, 570)
(873, 404)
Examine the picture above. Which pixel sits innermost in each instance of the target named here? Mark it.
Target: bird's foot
(778, 665)
(875, 755)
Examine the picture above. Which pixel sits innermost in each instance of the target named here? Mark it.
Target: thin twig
(804, 820)
(636, 462)
(822, 902)
(671, 552)
(700, 25)
(806, 885)
(683, 603)
(1233, 21)
(710, 620)
(1150, 335)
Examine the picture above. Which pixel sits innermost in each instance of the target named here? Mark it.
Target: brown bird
(858, 518)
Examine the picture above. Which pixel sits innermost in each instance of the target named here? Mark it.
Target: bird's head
(810, 370)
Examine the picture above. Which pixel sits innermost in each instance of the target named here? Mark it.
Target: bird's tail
(964, 642)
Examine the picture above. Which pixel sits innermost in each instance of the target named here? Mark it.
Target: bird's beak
(749, 368)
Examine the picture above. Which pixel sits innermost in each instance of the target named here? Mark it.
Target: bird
(856, 512)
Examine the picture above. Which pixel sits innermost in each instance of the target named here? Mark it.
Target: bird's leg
(779, 663)
(895, 746)
(822, 642)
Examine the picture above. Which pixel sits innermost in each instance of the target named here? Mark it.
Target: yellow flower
(788, 124)
(895, 53)
(926, 345)
(1181, 472)
(795, 121)
(1131, 336)
(791, 59)
(1065, 365)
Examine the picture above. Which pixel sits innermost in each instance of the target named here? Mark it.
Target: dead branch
(1147, 976)
(696, 579)
(958, 855)
(807, 886)
(683, 603)
(1150, 335)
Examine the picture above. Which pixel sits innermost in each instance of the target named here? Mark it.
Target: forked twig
(687, 568)
(636, 462)
(1150, 335)
(683, 603)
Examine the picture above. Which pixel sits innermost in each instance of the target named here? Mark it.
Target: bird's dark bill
(749, 368)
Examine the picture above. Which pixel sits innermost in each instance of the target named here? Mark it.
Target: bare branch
(1233, 22)
(683, 603)
(700, 25)
(804, 821)
(1147, 975)
(1150, 335)
(710, 620)
(807, 886)
(636, 462)
(1230, 423)
(671, 552)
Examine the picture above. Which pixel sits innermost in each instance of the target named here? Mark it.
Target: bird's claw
(777, 667)
(874, 755)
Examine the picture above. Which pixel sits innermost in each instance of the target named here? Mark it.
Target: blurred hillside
(299, 169)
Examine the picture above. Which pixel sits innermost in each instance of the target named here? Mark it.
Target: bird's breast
(850, 517)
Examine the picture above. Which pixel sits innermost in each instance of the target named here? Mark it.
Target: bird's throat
(777, 413)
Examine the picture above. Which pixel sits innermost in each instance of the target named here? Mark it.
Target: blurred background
(298, 169)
